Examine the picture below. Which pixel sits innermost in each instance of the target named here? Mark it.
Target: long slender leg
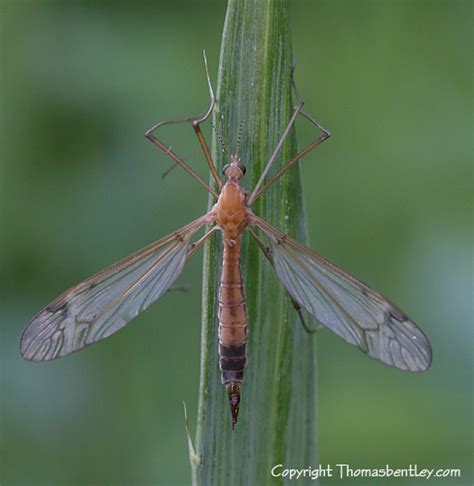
(192, 250)
(272, 158)
(197, 244)
(195, 122)
(257, 192)
(179, 288)
(297, 307)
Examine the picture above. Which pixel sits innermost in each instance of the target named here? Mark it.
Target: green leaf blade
(278, 397)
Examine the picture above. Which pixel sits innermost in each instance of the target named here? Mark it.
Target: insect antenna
(220, 138)
(239, 138)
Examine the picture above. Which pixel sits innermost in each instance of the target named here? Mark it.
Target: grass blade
(277, 414)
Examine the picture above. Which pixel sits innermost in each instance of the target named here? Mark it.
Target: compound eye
(226, 166)
(243, 168)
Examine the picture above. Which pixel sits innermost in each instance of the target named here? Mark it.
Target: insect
(107, 301)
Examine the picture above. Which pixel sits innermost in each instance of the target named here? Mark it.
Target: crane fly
(107, 301)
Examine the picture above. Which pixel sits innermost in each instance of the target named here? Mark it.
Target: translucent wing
(347, 306)
(104, 303)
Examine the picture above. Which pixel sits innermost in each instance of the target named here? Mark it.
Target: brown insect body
(232, 216)
(107, 301)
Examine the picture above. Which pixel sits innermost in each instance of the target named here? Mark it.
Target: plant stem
(278, 405)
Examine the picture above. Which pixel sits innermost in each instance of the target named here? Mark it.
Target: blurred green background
(389, 198)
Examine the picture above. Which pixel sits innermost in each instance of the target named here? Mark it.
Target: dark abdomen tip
(233, 393)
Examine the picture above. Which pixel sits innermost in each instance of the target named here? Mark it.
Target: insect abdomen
(232, 326)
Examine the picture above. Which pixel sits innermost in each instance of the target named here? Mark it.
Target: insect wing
(104, 303)
(347, 306)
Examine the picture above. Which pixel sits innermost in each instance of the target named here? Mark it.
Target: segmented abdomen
(232, 325)
(232, 317)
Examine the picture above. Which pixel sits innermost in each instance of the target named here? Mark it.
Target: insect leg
(195, 122)
(197, 244)
(297, 307)
(197, 128)
(179, 288)
(326, 134)
(192, 250)
(256, 192)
